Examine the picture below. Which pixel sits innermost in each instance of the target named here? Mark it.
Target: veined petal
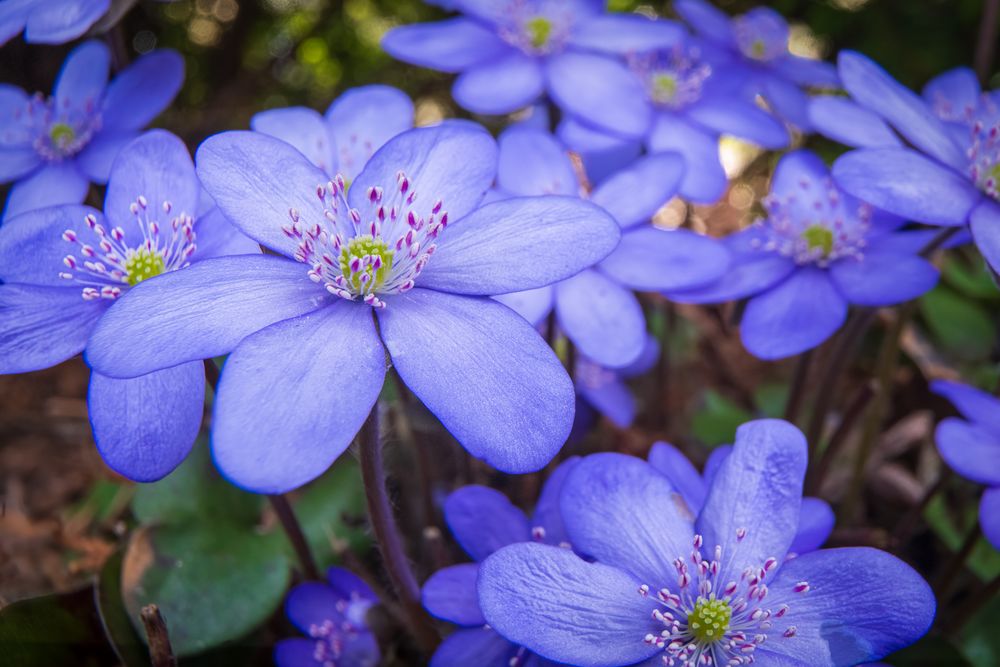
(669, 461)
(603, 319)
(83, 76)
(450, 594)
(32, 247)
(553, 237)
(363, 119)
(143, 90)
(843, 120)
(302, 128)
(145, 426)
(883, 278)
(484, 520)
(55, 183)
(453, 45)
(548, 512)
(532, 162)
(533, 305)
(95, 160)
(275, 425)
(653, 259)
(485, 372)
(816, 520)
(634, 194)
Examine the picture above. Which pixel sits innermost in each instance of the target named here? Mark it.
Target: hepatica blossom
(53, 148)
(971, 446)
(756, 47)
(397, 265)
(605, 389)
(680, 99)
(815, 515)
(49, 21)
(947, 171)
(482, 521)
(817, 251)
(596, 308)
(63, 267)
(356, 125)
(332, 615)
(509, 52)
(667, 589)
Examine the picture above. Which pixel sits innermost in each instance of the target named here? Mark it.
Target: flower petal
(653, 259)
(668, 461)
(584, 84)
(83, 76)
(609, 395)
(985, 226)
(707, 21)
(454, 163)
(619, 510)
(816, 520)
(485, 372)
(794, 316)
(873, 87)
(198, 313)
(603, 154)
(143, 90)
(903, 182)
(363, 119)
(845, 121)
(533, 305)
(970, 450)
(217, 238)
(302, 128)
(311, 604)
(953, 95)
(43, 326)
(95, 160)
(32, 247)
(54, 184)
(747, 275)
(553, 237)
(808, 71)
(883, 278)
(256, 180)
(704, 179)
(480, 646)
(975, 404)
(447, 46)
(275, 427)
(603, 319)
(532, 162)
(756, 493)
(62, 22)
(745, 120)
(564, 608)
(625, 34)
(548, 510)
(484, 520)
(450, 594)
(145, 426)
(295, 652)
(862, 605)
(634, 194)
(501, 86)
(989, 516)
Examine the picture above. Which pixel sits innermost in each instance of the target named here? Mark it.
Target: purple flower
(679, 99)
(63, 267)
(818, 251)
(508, 52)
(49, 21)
(482, 521)
(756, 44)
(971, 446)
(407, 241)
(356, 125)
(604, 389)
(816, 517)
(596, 308)
(332, 614)
(667, 589)
(54, 148)
(934, 160)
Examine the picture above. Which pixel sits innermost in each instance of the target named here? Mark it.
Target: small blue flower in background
(332, 614)
(508, 52)
(596, 308)
(715, 590)
(604, 389)
(356, 125)
(49, 21)
(818, 251)
(816, 517)
(679, 99)
(401, 263)
(934, 159)
(54, 148)
(482, 521)
(971, 447)
(62, 268)
(756, 44)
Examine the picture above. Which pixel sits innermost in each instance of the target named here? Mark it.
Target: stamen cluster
(534, 26)
(673, 79)
(59, 133)
(761, 36)
(984, 158)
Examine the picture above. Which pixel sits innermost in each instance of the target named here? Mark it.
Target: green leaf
(980, 639)
(984, 561)
(974, 281)
(195, 492)
(718, 419)
(212, 583)
(771, 399)
(962, 326)
(52, 630)
(126, 642)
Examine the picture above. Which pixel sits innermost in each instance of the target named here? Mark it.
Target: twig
(295, 535)
(986, 42)
(161, 654)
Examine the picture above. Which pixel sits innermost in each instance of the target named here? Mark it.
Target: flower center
(819, 237)
(709, 619)
(110, 263)
(58, 132)
(378, 251)
(61, 134)
(672, 79)
(539, 31)
(142, 265)
(761, 35)
(984, 158)
(536, 27)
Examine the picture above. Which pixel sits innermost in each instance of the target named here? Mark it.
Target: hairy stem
(161, 654)
(986, 42)
(798, 386)
(283, 509)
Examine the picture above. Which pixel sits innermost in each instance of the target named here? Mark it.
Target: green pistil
(758, 49)
(710, 619)
(358, 247)
(539, 31)
(664, 87)
(818, 237)
(61, 134)
(144, 265)
(995, 172)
